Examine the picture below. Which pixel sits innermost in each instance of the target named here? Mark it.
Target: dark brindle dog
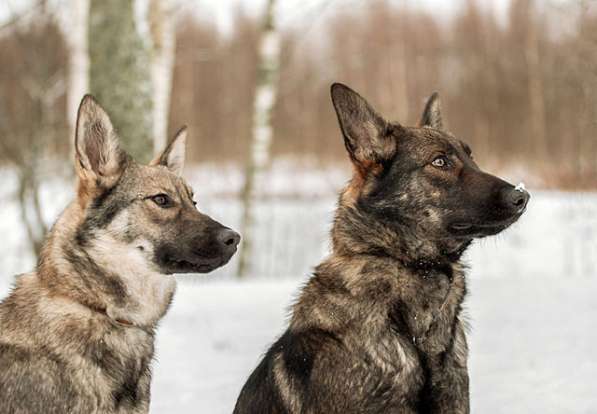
(378, 328)
(77, 335)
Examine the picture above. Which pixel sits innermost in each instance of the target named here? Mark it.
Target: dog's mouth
(172, 264)
(476, 230)
(471, 229)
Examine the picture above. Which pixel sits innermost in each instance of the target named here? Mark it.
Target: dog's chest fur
(90, 363)
(427, 306)
(123, 356)
(391, 321)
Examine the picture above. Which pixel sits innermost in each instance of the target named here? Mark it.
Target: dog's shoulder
(26, 372)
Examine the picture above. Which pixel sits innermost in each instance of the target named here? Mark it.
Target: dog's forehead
(426, 140)
(159, 178)
(436, 135)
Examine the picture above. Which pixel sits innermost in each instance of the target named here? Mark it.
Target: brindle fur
(77, 335)
(379, 327)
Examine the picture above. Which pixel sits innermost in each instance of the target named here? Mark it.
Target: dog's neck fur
(354, 233)
(420, 290)
(104, 275)
(347, 293)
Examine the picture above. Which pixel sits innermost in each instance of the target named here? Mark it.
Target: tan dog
(77, 335)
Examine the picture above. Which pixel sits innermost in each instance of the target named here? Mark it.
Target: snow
(531, 303)
(520, 187)
(211, 340)
(530, 343)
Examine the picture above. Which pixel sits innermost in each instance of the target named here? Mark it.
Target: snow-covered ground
(532, 296)
(531, 344)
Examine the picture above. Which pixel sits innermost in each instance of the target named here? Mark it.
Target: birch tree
(119, 73)
(78, 76)
(259, 151)
(163, 37)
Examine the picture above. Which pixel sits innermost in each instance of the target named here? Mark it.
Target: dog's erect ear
(364, 130)
(432, 116)
(173, 155)
(98, 157)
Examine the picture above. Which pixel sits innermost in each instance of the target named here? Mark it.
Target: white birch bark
(259, 151)
(162, 29)
(78, 78)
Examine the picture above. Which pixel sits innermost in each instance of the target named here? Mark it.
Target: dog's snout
(228, 239)
(516, 198)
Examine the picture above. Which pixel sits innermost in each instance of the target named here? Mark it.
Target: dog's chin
(171, 265)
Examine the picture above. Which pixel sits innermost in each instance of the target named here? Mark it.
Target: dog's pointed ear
(174, 154)
(365, 132)
(99, 160)
(432, 115)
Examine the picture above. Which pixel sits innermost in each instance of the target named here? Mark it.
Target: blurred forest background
(519, 86)
(522, 91)
(517, 81)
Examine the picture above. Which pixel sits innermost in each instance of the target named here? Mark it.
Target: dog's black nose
(516, 198)
(228, 239)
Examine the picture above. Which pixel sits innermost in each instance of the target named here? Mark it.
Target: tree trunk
(119, 74)
(30, 209)
(161, 26)
(78, 77)
(259, 151)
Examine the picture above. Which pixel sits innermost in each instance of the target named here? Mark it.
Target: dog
(379, 326)
(77, 335)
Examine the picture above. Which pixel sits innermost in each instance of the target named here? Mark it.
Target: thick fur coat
(379, 327)
(77, 334)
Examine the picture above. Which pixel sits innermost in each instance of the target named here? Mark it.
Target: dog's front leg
(449, 381)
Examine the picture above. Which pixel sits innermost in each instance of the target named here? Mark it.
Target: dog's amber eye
(162, 200)
(440, 162)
